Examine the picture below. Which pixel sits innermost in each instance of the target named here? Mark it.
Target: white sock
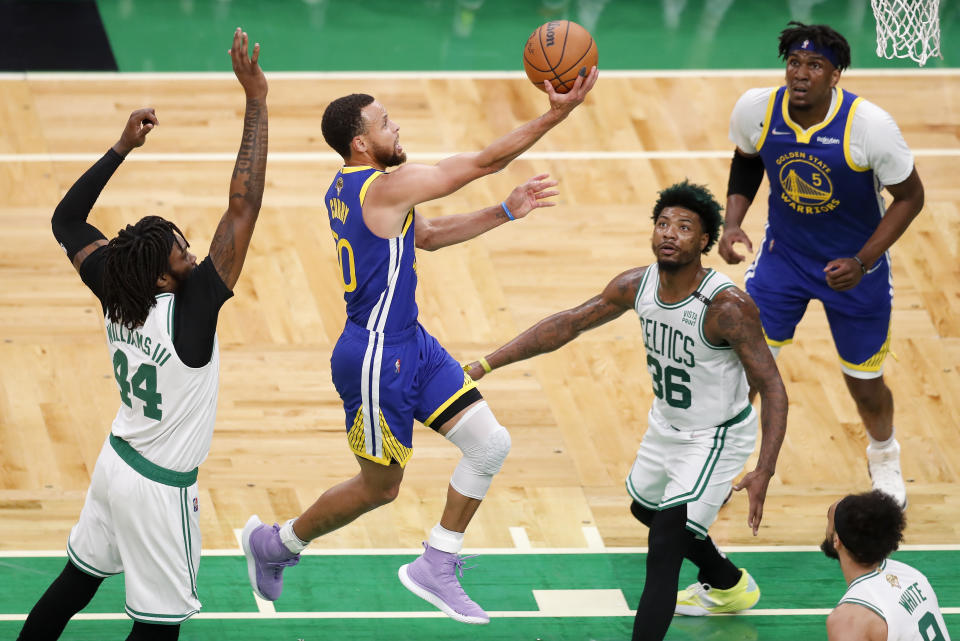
(290, 538)
(445, 540)
(876, 445)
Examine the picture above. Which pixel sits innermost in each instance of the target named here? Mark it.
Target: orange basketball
(559, 51)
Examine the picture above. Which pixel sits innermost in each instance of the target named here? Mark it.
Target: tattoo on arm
(561, 328)
(232, 238)
(733, 318)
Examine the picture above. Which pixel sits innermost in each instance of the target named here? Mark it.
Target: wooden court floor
(576, 415)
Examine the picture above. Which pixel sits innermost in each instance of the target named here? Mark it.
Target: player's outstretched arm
(434, 233)
(556, 331)
(70, 227)
(414, 184)
(732, 318)
(228, 249)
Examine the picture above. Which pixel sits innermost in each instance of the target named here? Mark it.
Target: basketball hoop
(908, 29)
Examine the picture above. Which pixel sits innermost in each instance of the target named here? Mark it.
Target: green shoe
(700, 599)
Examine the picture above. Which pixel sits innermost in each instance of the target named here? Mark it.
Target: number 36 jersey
(378, 275)
(168, 408)
(697, 384)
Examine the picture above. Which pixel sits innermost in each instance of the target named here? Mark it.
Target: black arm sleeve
(69, 222)
(197, 305)
(746, 174)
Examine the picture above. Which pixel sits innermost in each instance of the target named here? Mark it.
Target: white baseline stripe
(947, 547)
(206, 76)
(427, 156)
(506, 614)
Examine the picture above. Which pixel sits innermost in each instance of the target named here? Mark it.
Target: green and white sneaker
(700, 599)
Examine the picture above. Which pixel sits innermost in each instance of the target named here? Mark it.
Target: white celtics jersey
(903, 597)
(697, 384)
(168, 408)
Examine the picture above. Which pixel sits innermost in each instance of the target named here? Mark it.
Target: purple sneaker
(266, 557)
(433, 577)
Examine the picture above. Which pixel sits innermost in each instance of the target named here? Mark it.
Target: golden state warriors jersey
(378, 275)
(169, 408)
(697, 384)
(904, 598)
(821, 203)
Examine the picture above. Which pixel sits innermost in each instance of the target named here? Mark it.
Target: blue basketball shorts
(394, 378)
(782, 282)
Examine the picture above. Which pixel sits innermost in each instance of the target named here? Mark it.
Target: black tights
(669, 543)
(69, 593)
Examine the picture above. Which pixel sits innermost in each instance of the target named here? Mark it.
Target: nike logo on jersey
(777, 132)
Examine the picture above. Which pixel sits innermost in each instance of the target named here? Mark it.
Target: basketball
(559, 51)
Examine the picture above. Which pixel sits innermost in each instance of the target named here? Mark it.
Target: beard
(390, 157)
(827, 548)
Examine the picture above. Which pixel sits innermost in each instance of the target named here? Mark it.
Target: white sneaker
(884, 467)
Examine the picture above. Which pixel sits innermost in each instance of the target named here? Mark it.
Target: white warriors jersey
(903, 597)
(168, 408)
(697, 384)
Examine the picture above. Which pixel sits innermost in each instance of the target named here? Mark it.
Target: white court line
(205, 76)
(947, 547)
(593, 538)
(504, 614)
(426, 156)
(520, 539)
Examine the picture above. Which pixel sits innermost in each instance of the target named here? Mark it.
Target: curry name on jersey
(697, 384)
(378, 275)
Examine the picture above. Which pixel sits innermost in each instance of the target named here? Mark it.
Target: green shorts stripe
(187, 543)
(86, 568)
(163, 619)
(705, 472)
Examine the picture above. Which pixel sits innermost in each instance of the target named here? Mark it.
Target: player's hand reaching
(755, 483)
(843, 273)
(563, 103)
(139, 124)
(246, 66)
(530, 195)
(730, 237)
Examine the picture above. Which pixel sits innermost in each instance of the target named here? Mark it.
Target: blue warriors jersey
(821, 203)
(378, 274)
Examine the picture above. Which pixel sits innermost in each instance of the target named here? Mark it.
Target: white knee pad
(775, 350)
(485, 445)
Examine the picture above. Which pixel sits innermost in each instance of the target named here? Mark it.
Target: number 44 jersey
(697, 384)
(168, 408)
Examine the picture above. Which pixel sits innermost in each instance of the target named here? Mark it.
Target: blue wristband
(507, 211)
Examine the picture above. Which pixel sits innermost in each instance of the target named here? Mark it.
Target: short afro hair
(870, 526)
(821, 35)
(699, 200)
(342, 121)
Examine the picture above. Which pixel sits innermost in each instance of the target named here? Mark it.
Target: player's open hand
(565, 102)
(730, 237)
(530, 195)
(755, 483)
(843, 274)
(139, 124)
(246, 66)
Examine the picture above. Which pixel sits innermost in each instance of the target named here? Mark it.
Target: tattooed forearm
(249, 172)
(223, 250)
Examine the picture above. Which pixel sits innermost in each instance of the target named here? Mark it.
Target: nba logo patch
(397, 365)
(196, 505)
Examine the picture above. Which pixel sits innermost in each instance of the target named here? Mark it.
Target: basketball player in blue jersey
(387, 369)
(140, 516)
(703, 345)
(827, 154)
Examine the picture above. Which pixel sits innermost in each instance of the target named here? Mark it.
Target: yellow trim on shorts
(875, 362)
(773, 343)
(366, 184)
(468, 385)
(393, 450)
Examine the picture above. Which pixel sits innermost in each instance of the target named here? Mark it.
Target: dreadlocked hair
(136, 258)
(821, 35)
